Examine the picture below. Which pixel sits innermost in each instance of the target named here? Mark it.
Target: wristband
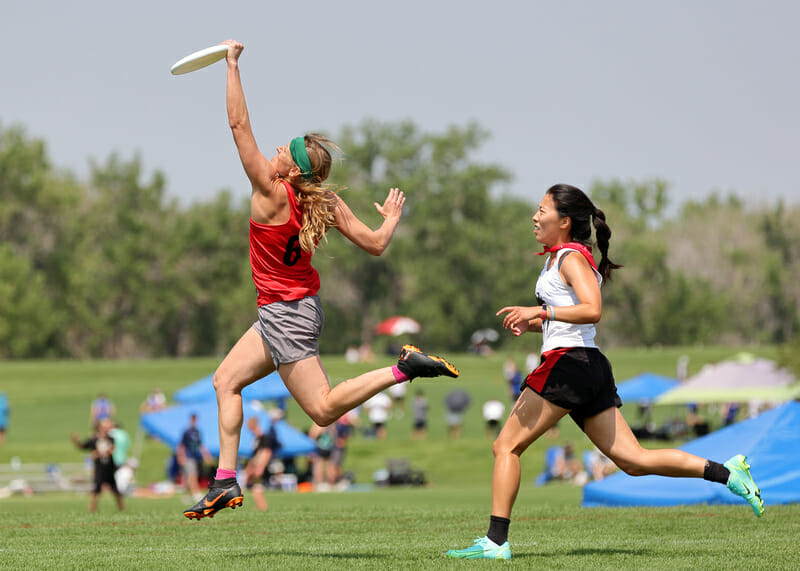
(543, 314)
(552, 314)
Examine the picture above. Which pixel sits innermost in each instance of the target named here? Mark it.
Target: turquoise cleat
(741, 483)
(482, 548)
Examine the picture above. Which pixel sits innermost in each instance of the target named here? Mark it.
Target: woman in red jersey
(574, 377)
(291, 209)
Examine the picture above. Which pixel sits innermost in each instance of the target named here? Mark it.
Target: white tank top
(551, 290)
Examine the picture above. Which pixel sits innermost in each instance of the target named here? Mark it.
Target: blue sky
(702, 94)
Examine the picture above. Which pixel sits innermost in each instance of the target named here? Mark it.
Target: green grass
(385, 529)
(392, 529)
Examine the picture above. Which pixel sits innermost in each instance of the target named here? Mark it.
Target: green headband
(300, 156)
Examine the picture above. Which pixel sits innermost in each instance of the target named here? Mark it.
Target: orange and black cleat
(221, 494)
(414, 363)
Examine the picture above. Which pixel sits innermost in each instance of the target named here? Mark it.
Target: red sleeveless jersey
(281, 268)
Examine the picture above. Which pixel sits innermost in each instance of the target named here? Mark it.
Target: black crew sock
(714, 472)
(498, 529)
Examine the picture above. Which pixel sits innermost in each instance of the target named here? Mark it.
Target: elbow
(594, 316)
(375, 248)
(237, 123)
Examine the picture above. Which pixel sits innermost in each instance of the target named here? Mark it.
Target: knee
(220, 381)
(322, 416)
(502, 447)
(224, 383)
(631, 467)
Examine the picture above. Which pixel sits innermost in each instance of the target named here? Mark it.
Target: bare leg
(257, 493)
(248, 361)
(308, 383)
(611, 434)
(93, 502)
(531, 417)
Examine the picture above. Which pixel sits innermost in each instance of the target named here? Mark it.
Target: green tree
(441, 265)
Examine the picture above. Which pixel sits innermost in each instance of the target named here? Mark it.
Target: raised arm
(371, 241)
(256, 165)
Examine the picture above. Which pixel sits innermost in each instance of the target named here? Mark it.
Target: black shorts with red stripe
(578, 379)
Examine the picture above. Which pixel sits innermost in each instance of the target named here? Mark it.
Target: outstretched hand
(235, 49)
(517, 318)
(392, 207)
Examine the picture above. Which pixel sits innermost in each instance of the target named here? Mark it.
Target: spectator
(696, 421)
(398, 394)
(322, 474)
(682, 368)
(567, 467)
(191, 453)
(531, 362)
(729, 413)
(102, 408)
(599, 465)
(122, 443)
(125, 477)
(493, 411)
(378, 412)
(351, 354)
(514, 377)
(344, 430)
(266, 443)
(456, 403)
(154, 402)
(365, 354)
(4, 412)
(420, 410)
(102, 447)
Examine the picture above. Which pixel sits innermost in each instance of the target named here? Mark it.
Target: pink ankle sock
(224, 474)
(398, 374)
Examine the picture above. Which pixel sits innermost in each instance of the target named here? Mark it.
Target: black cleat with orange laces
(414, 363)
(221, 494)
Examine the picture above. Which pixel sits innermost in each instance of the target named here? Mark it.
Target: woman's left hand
(392, 207)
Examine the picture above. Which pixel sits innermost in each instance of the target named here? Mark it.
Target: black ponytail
(602, 234)
(571, 202)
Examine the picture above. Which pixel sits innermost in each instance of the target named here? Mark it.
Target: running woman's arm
(256, 165)
(578, 274)
(371, 241)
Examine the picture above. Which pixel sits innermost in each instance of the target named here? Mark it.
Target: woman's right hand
(517, 318)
(235, 49)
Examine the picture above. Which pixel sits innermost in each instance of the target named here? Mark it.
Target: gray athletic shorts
(291, 329)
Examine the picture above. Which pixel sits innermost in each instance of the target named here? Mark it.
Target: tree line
(113, 267)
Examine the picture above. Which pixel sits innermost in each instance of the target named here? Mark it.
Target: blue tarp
(771, 442)
(168, 425)
(644, 387)
(270, 387)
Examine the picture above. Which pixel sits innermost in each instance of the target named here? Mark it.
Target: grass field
(386, 528)
(392, 529)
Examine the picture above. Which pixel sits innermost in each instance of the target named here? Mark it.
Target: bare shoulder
(573, 265)
(269, 203)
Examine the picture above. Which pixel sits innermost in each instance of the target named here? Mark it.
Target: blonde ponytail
(317, 198)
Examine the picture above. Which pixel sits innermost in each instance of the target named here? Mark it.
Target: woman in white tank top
(574, 377)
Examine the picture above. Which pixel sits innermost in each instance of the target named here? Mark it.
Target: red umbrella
(397, 325)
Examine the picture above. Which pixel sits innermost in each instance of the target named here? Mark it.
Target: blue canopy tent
(270, 387)
(771, 442)
(168, 425)
(645, 387)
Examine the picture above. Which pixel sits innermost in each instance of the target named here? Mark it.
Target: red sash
(587, 252)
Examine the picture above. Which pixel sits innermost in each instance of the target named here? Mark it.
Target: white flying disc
(199, 59)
